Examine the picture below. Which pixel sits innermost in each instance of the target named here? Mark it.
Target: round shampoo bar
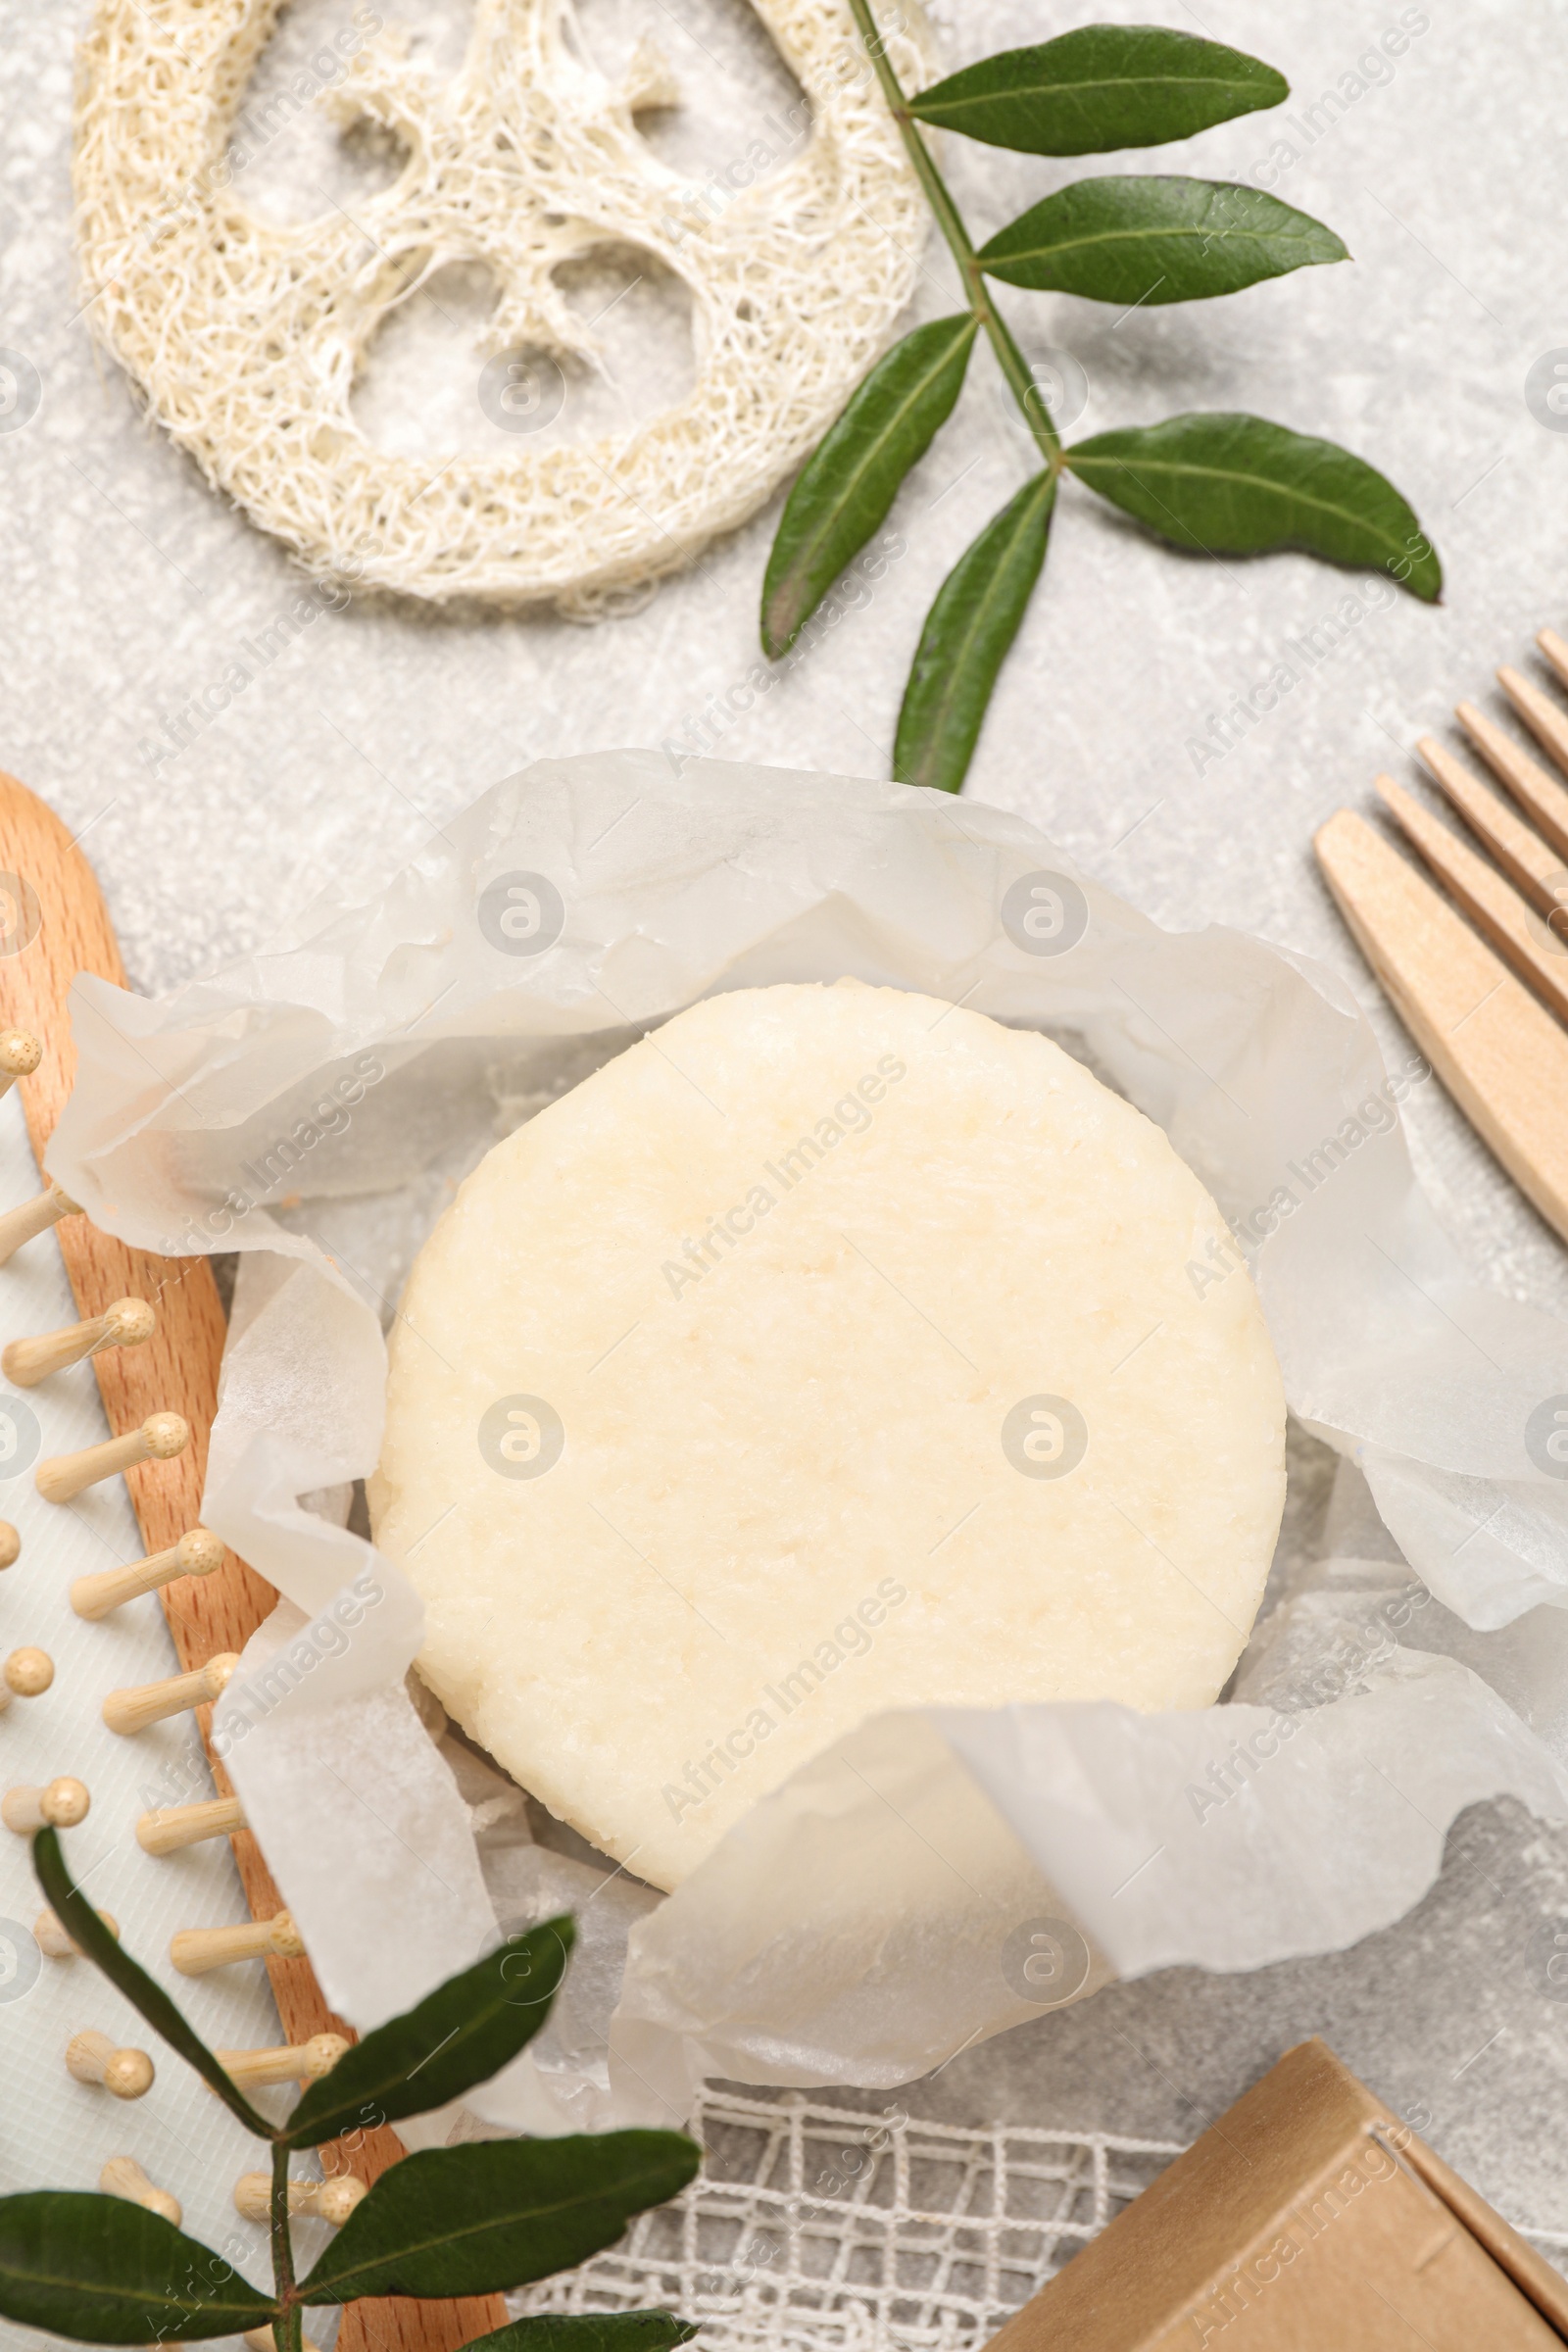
(832, 1349)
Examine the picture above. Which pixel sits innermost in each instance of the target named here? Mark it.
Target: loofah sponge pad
(245, 337)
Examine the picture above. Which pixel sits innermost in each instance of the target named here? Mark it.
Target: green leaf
(86, 1930)
(592, 2331)
(473, 2221)
(852, 476)
(1238, 485)
(1102, 87)
(459, 2035)
(107, 2272)
(1156, 240)
(965, 639)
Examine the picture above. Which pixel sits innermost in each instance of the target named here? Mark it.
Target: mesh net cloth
(245, 337)
(842, 2229)
(845, 2231)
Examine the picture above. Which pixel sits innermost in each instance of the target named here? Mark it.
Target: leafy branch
(1218, 484)
(467, 2220)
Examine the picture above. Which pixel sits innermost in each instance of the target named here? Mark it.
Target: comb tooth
(1497, 911)
(1500, 1054)
(1523, 855)
(1546, 724)
(1555, 650)
(1541, 797)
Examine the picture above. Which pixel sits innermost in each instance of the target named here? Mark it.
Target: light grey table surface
(126, 584)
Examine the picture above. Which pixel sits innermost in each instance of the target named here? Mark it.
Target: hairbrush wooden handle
(177, 1370)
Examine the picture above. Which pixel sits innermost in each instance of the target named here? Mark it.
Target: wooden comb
(1480, 977)
(59, 927)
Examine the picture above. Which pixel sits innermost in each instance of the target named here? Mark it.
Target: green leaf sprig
(1223, 484)
(465, 2220)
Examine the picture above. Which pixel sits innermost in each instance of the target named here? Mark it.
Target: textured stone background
(126, 585)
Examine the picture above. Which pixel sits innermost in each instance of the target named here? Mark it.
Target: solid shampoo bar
(831, 1349)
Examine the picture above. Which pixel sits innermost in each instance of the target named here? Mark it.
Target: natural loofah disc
(245, 337)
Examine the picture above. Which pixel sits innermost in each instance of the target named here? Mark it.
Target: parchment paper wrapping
(938, 1876)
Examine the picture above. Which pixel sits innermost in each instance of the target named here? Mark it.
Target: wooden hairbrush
(53, 925)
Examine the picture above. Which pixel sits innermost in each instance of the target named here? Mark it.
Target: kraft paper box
(1306, 2219)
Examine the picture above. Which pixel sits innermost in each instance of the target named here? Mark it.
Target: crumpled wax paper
(938, 1875)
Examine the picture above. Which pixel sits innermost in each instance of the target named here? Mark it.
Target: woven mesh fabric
(245, 338)
(842, 2229)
